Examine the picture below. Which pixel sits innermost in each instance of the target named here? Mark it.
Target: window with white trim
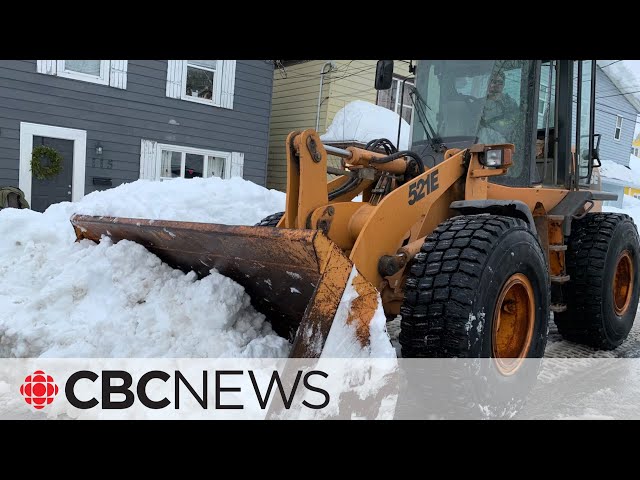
(185, 162)
(391, 98)
(103, 72)
(210, 82)
(199, 80)
(618, 132)
(95, 71)
(159, 161)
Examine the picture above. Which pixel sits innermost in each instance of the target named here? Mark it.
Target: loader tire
(602, 294)
(270, 221)
(468, 266)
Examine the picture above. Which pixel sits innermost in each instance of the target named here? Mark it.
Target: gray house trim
(118, 119)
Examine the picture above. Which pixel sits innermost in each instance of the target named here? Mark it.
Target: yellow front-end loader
(472, 236)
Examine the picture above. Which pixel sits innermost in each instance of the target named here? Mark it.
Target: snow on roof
(363, 121)
(625, 75)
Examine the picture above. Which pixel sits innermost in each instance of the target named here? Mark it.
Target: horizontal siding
(295, 103)
(607, 107)
(358, 83)
(118, 119)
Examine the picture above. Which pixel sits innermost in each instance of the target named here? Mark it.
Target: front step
(559, 278)
(558, 307)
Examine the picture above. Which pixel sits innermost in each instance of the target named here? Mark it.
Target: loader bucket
(296, 278)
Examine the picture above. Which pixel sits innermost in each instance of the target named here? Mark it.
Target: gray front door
(57, 189)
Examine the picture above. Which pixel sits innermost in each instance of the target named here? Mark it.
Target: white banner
(162, 388)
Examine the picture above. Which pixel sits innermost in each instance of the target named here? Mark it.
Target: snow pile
(363, 121)
(231, 202)
(630, 176)
(616, 171)
(60, 298)
(630, 206)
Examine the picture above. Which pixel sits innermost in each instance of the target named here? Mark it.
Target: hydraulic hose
(395, 156)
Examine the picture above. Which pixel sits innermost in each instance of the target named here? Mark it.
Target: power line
(618, 94)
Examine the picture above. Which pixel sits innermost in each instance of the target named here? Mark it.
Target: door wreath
(42, 171)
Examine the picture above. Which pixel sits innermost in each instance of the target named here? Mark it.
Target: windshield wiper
(432, 137)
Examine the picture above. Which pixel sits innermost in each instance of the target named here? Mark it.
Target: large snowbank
(60, 298)
(231, 202)
(363, 121)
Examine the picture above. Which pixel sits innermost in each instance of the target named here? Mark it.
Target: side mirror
(384, 74)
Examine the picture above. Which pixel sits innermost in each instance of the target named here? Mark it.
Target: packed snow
(231, 202)
(630, 175)
(630, 206)
(62, 298)
(616, 171)
(363, 121)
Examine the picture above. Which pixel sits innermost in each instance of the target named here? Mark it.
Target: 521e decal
(417, 188)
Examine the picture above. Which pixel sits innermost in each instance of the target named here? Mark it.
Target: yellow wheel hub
(513, 323)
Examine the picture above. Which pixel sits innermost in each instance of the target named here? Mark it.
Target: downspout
(322, 74)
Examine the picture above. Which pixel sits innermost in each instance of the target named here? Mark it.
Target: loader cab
(538, 105)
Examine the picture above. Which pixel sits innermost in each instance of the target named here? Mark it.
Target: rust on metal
(555, 234)
(318, 318)
(296, 278)
(556, 262)
(279, 268)
(623, 283)
(363, 308)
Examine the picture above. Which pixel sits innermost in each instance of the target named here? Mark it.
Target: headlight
(497, 157)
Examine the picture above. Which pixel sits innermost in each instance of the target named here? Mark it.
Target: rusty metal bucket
(295, 277)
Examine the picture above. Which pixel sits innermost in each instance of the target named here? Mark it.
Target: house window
(210, 82)
(618, 132)
(186, 162)
(200, 80)
(391, 98)
(95, 71)
(103, 72)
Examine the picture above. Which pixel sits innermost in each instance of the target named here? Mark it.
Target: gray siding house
(115, 121)
(615, 120)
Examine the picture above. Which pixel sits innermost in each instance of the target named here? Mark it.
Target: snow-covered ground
(630, 206)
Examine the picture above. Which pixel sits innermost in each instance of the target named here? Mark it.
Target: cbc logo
(39, 389)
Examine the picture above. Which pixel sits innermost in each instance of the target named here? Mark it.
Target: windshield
(478, 101)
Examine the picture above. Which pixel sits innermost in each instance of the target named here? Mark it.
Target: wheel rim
(513, 322)
(623, 283)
